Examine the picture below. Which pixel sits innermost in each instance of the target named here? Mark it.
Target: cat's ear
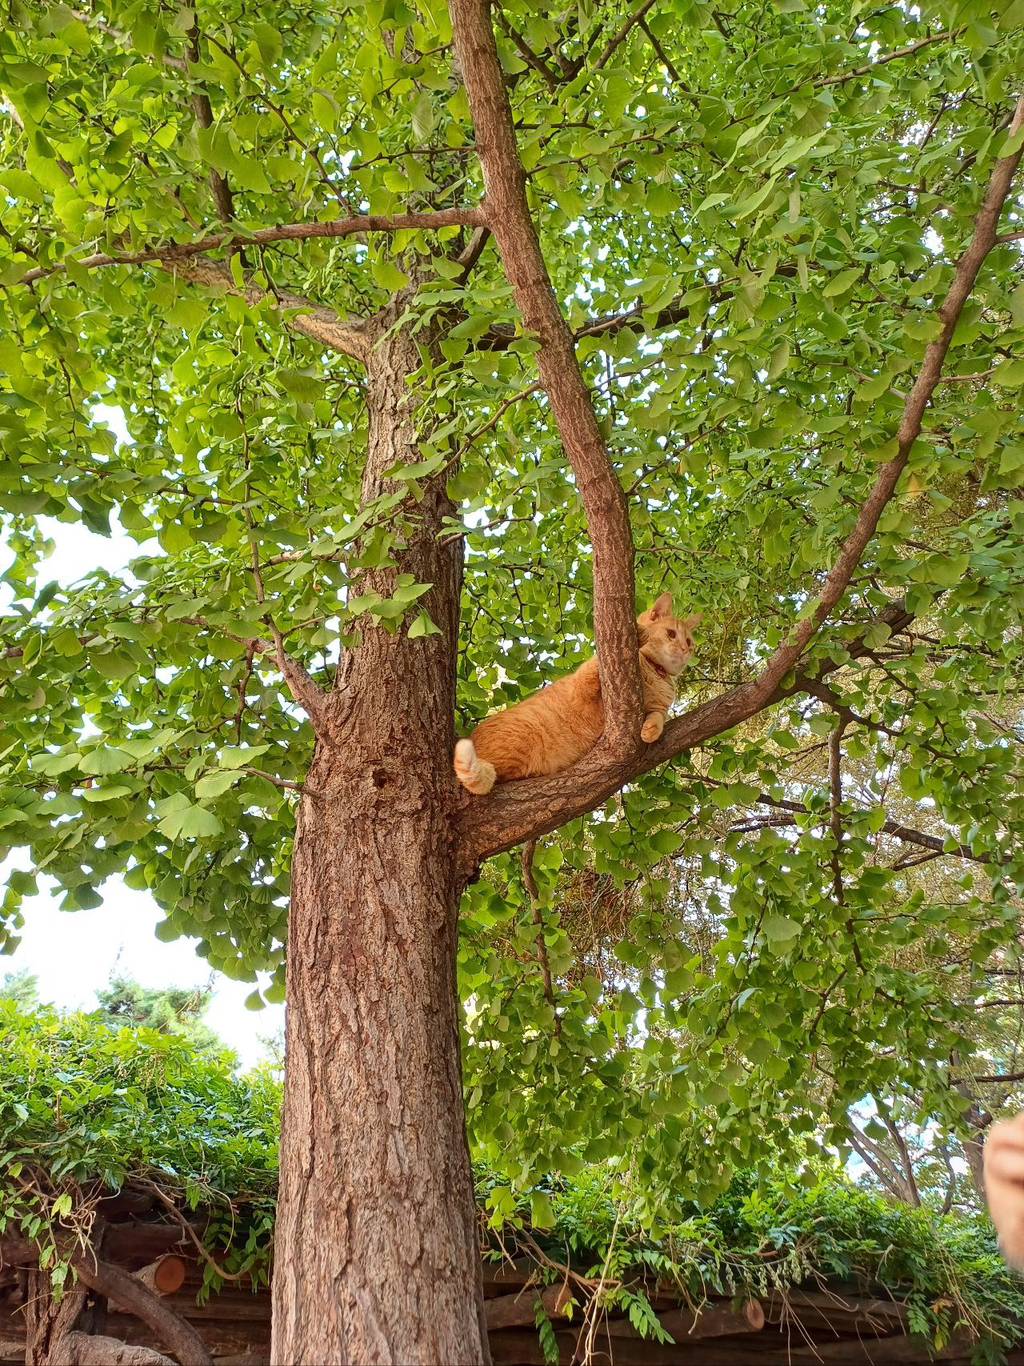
(662, 608)
(690, 622)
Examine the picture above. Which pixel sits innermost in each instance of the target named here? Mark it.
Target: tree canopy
(751, 218)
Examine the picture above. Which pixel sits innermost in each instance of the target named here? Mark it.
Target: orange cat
(556, 726)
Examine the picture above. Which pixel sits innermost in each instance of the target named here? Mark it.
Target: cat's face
(666, 637)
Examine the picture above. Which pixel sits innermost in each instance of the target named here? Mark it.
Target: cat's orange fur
(556, 726)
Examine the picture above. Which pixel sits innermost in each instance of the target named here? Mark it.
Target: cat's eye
(671, 635)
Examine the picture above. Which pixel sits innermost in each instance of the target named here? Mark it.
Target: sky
(72, 953)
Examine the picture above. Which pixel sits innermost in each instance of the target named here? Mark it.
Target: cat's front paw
(652, 728)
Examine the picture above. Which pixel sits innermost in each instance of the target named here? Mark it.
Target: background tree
(168, 1010)
(21, 988)
(379, 468)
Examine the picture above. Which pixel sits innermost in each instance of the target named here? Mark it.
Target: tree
(507, 315)
(168, 1010)
(22, 988)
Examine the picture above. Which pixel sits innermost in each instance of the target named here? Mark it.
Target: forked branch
(508, 215)
(320, 324)
(518, 811)
(302, 686)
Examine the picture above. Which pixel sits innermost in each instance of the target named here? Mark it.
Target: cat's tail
(475, 774)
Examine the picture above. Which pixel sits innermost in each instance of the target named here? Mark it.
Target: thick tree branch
(514, 812)
(303, 687)
(524, 810)
(508, 215)
(302, 315)
(177, 1335)
(171, 252)
(203, 111)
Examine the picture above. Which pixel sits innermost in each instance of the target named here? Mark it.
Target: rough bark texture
(376, 1256)
(82, 1349)
(48, 1319)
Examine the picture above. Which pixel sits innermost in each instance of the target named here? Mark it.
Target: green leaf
(1009, 374)
(780, 930)
(213, 784)
(542, 1214)
(190, 822)
(423, 626)
(106, 759)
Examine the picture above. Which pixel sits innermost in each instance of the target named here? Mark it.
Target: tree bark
(376, 1248)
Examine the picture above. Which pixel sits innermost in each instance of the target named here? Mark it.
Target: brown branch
(620, 37)
(869, 67)
(303, 687)
(892, 828)
(170, 252)
(203, 111)
(508, 215)
(527, 53)
(302, 315)
(175, 1333)
(517, 811)
(285, 783)
(188, 1230)
(472, 252)
(502, 335)
(663, 56)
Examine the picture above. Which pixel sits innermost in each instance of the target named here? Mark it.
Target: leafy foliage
(749, 218)
(88, 1108)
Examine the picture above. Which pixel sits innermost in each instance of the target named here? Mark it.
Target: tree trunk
(376, 1248)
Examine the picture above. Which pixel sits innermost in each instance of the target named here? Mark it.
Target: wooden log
(136, 1245)
(240, 1306)
(176, 1333)
(223, 1337)
(164, 1276)
(512, 1311)
(18, 1251)
(499, 1275)
(125, 1204)
(712, 1321)
(85, 1349)
(885, 1351)
(846, 1312)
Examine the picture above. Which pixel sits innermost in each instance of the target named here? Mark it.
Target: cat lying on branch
(549, 731)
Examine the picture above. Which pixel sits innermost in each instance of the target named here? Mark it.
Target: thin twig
(172, 1208)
